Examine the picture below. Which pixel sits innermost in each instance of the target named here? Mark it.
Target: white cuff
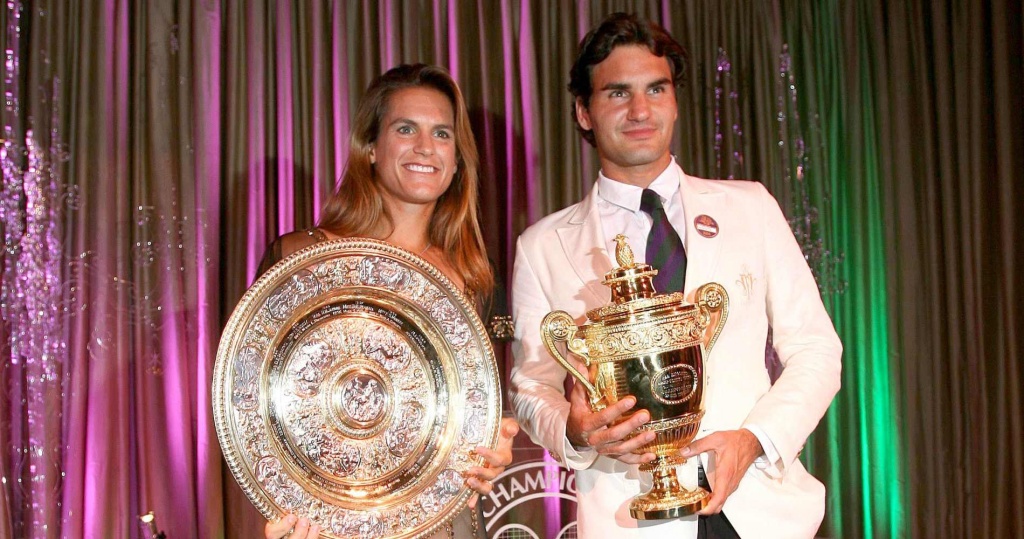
(577, 459)
(770, 462)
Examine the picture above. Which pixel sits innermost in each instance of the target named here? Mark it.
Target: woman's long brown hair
(357, 207)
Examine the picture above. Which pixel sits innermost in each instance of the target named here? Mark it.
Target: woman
(411, 180)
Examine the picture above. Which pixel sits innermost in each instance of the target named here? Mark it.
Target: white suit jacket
(560, 264)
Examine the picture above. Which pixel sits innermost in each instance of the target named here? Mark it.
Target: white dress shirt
(619, 206)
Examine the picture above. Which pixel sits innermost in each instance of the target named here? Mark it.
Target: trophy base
(667, 498)
(660, 506)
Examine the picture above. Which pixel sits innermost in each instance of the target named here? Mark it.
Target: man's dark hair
(620, 29)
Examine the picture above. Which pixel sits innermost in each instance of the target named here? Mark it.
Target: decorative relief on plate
(344, 459)
(448, 485)
(245, 387)
(367, 524)
(445, 314)
(476, 416)
(289, 294)
(378, 271)
(386, 348)
(402, 437)
(363, 397)
(337, 272)
(351, 386)
(270, 475)
(307, 372)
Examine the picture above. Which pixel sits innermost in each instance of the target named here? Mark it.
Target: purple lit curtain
(152, 149)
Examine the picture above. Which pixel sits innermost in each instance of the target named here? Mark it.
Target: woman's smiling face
(415, 154)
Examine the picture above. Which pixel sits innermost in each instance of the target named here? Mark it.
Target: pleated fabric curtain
(177, 139)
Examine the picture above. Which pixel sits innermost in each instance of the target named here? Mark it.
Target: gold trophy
(650, 346)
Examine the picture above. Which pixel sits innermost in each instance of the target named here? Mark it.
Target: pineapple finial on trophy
(623, 252)
(631, 280)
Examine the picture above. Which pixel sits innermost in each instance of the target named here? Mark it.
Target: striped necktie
(664, 248)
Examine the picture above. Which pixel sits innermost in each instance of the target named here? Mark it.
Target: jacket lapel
(583, 241)
(702, 253)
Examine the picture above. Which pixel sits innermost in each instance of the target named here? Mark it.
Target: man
(729, 232)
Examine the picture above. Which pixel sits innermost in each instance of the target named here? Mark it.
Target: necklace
(425, 249)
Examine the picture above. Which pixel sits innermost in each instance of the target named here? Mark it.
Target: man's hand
(735, 451)
(585, 428)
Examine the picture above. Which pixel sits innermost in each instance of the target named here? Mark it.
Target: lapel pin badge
(706, 226)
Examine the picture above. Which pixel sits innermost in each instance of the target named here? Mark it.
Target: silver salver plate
(352, 384)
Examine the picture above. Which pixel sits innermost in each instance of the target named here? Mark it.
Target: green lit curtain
(934, 103)
(920, 106)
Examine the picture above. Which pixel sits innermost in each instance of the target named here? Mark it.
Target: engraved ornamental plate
(352, 384)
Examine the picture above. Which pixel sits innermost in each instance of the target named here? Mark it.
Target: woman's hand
(479, 478)
(291, 527)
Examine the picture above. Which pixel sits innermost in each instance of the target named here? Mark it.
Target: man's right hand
(586, 428)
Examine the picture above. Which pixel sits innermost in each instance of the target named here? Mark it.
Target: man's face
(632, 112)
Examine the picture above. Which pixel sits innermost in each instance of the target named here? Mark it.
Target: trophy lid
(633, 292)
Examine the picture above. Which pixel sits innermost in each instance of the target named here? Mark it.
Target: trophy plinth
(649, 346)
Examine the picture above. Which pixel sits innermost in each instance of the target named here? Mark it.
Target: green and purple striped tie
(664, 248)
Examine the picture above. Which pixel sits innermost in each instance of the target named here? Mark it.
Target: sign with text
(532, 499)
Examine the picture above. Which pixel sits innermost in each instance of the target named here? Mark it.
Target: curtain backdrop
(152, 149)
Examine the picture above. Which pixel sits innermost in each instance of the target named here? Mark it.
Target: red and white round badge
(706, 226)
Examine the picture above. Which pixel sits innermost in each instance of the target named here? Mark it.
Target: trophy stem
(667, 497)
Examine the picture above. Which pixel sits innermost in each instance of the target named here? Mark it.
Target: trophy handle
(712, 297)
(559, 326)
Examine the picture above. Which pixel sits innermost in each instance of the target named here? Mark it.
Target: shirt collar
(627, 196)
